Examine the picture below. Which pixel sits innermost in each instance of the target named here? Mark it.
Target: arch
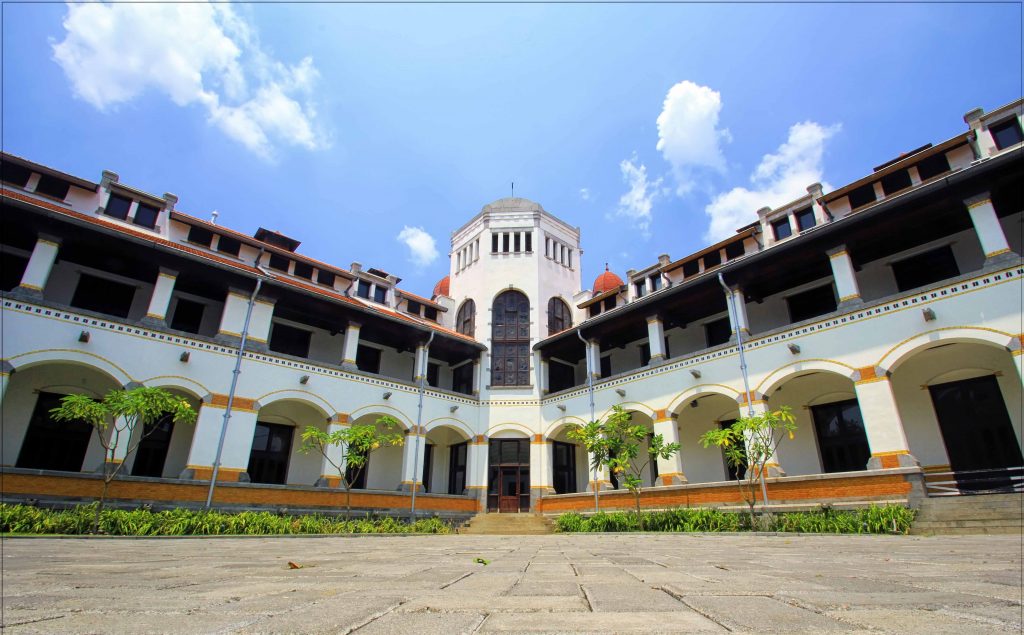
(450, 422)
(699, 390)
(509, 426)
(381, 409)
(559, 315)
(465, 320)
(98, 363)
(560, 424)
(906, 349)
(783, 374)
(510, 339)
(302, 396)
(178, 382)
(634, 406)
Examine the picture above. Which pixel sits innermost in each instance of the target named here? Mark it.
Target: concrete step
(966, 531)
(508, 524)
(983, 514)
(1006, 522)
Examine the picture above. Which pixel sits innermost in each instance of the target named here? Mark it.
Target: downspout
(731, 299)
(590, 391)
(419, 419)
(234, 384)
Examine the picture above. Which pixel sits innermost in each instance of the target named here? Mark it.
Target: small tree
(615, 443)
(358, 441)
(122, 412)
(748, 445)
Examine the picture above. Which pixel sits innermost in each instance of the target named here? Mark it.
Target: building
(886, 313)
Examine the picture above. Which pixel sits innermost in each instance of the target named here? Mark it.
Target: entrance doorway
(508, 487)
(977, 432)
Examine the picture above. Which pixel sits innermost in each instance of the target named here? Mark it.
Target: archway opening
(696, 416)
(570, 470)
(275, 456)
(508, 467)
(445, 461)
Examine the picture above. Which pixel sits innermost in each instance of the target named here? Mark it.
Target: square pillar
(477, 366)
(656, 340)
(541, 469)
(351, 346)
(160, 301)
(594, 359)
(844, 276)
(989, 230)
(232, 319)
(413, 452)
(40, 264)
(476, 470)
(670, 471)
(334, 455)
(237, 442)
(420, 363)
(738, 313)
(601, 481)
(882, 423)
(543, 372)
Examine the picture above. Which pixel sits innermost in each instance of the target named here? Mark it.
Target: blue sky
(655, 128)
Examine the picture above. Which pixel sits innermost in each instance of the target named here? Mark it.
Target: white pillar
(232, 319)
(986, 225)
(603, 479)
(476, 470)
(40, 263)
(420, 363)
(738, 313)
(541, 469)
(334, 455)
(670, 471)
(413, 453)
(595, 358)
(6, 370)
(351, 346)
(477, 374)
(882, 423)
(160, 301)
(773, 466)
(656, 340)
(121, 444)
(237, 442)
(543, 372)
(1018, 361)
(844, 276)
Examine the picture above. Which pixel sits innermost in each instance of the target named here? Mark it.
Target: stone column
(603, 482)
(420, 363)
(476, 470)
(351, 346)
(844, 276)
(237, 443)
(656, 340)
(477, 370)
(40, 263)
(543, 373)
(334, 456)
(160, 301)
(1016, 351)
(541, 469)
(990, 232)
(232, 319)
(882, 423)
(773, 467)
(738, 313)
(6, 370)
(595, 358)
(413, 453)
(670, 471)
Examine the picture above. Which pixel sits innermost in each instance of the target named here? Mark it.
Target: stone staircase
(983, 514)
(525, 524)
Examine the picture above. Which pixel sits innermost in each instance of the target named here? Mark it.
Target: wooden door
(508, 499)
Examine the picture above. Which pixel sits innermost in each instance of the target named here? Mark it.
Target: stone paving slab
(699, 583)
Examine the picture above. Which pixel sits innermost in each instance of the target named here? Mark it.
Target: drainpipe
(731, 299)
(590, 391)
(419, 419)
(234, 384)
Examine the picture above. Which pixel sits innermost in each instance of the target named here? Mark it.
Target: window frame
(510, 351)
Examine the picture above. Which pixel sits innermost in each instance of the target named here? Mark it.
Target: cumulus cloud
(636, 204)
(688, 134)
(422, 248)
(779, 178)
(195, 54)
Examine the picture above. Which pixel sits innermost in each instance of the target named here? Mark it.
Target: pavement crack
(575, 571)
(698, 610)
(586, 598)
(32, 621)
(373, 617)
(461, 577)
(480, 624)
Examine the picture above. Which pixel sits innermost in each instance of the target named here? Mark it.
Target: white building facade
(886, 314)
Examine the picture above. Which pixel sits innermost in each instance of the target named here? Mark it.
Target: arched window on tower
(559, 316)
(464, 321)
(510, 340)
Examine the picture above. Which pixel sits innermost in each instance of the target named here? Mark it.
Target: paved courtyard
(561, 583)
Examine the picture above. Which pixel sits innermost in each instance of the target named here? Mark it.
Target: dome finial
(606, 266)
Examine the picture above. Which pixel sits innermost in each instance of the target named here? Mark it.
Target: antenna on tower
(513, 189)
(213, 217)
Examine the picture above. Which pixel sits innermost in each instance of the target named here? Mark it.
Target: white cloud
(585, 194)
(422, 248)
(202, 54)
(636, 204)
(779, 178)
(688, 133)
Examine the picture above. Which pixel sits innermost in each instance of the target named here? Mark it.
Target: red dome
(442, 287)
(606, 282)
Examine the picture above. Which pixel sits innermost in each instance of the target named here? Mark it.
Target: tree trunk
(639, 516)
(348, 501)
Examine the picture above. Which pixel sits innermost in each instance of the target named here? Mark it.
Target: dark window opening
(368, 359)
(494, 243)
(653, 463)
(430, 313)
(733, 472)
(457, 468)
(152, 451)
(356, 478)
(606, 366)
(414, 307)
(227, 245)
(515, 242)
(146, 215)
(53, 445)
(462, 379)
(117, 206)
(712, 259)
(655, 282)
(52, 186)
(325, 277)
(841, 438)
(640, 286)
(303, 270)
(691, 268)
(805, 219)
(559, 316)
(200, 236)
(529, 241)
(279, 262)
(465, 318)
(433, 375)
(363, 289)
(103, 296)
(560, 376)
(927, 268)
(1006, 133)
(781, 228)
(380, 294)
(862, 196)
(15, 174)
(428, 465)
(717, 332)
(504, 243)
(734, 250)
(609, 303)
(933, 166)
(564, 467)
(12, 268)
(271, 447)
(895, 181)
(811, 303)
(188, 316)
(594, 310)
(289, 340)
(510, 339)
(645, 354)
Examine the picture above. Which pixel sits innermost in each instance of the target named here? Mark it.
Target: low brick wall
(24, 484)
(888, 485)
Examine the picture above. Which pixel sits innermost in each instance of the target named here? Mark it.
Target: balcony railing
(1007, 480)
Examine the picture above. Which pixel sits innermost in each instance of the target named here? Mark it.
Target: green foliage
(615, 443)
(872, 520)
(22, 519)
